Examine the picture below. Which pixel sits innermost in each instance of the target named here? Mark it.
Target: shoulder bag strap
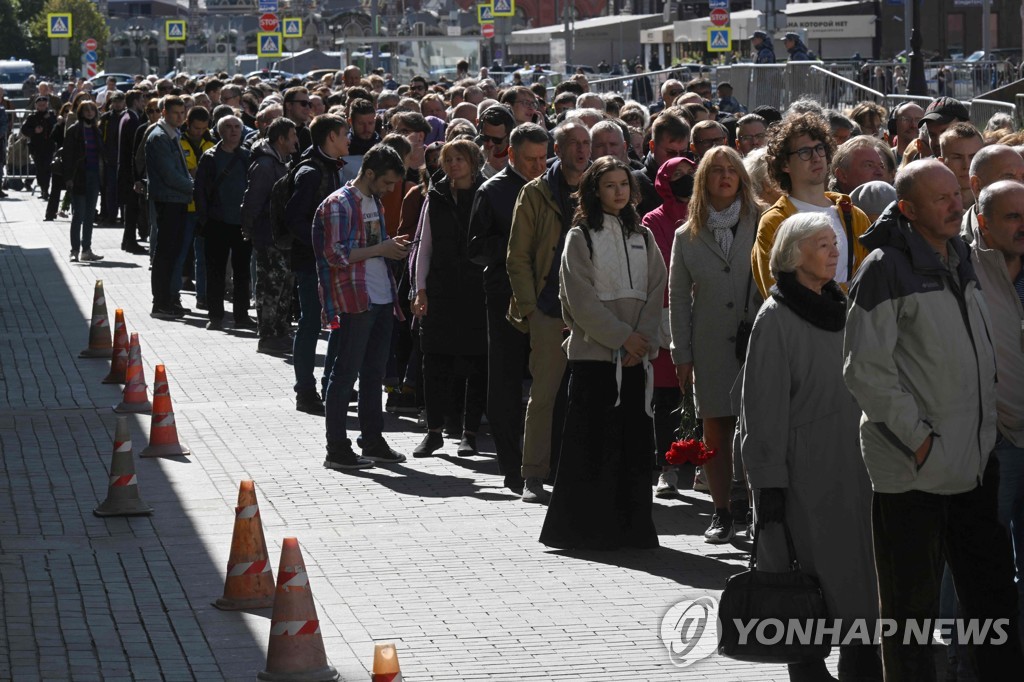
(848, 227)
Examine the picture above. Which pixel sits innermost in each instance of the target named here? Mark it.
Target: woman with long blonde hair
(712, 304)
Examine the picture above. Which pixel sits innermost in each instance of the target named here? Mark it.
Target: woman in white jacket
(612, 284)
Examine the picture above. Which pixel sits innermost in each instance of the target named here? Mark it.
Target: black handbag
(744, 328)
(791, 597)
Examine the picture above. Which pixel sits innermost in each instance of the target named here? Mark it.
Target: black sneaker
(515, 484)
(467, 448)
(245, 323)
(166, 312)
(721, 529)
(215, 325)
(277, 345)
(431, 443)
(343, 458)
(382, 452)
(402, 402)
(309, 402)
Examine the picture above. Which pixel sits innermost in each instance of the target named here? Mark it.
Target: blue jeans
(364, 341)
(179, 265)
(1011, 509)
(83, 211)
(306, 335)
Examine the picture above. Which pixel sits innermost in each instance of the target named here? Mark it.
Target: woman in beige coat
(710, 293)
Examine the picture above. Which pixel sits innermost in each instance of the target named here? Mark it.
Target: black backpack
(280, 193)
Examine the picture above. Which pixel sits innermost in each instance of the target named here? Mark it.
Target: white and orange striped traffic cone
(135, 398)
(385, 663)
(296, 648)
(100, 345)
(119, 359)
(163, 433)
(250, 579)
(123, 492)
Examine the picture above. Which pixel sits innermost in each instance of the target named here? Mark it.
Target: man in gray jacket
(170, 188)
(998, 258)
(920, 362)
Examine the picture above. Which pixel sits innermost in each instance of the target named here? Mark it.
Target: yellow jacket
(192, 159)
(783, 208)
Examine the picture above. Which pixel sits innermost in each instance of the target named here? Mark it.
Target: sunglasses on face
(493, 140)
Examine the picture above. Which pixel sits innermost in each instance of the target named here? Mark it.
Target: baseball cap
(42, 98)
(946, 109)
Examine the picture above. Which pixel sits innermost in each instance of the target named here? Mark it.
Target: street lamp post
(137, 33)
(917, 84)
(336, 28)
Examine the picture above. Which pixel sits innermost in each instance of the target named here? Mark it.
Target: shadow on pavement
(121, 596)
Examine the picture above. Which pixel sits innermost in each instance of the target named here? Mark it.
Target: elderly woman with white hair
(799, 430)
(219, 187)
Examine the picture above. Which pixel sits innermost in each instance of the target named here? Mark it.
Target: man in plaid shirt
(360, 302)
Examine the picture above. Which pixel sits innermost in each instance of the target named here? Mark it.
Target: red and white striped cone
(296, 650)
(250, 580)
(385, 664)
(123, 492)
(163, 434)
(119, 361)
(135, 398)
(100, 345)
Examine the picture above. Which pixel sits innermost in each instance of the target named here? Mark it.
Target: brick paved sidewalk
(432, 554)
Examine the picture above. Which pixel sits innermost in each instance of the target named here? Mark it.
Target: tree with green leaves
(12, 35)
(86, 22)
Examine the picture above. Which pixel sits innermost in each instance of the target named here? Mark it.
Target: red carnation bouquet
(690, 448)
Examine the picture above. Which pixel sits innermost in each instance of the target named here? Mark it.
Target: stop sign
(268, 22)
(90, 45)
(719, 17)
(487, 30)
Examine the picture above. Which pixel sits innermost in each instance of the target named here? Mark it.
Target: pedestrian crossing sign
(268, 44)
(292, 27)
(175, 29)
(719, 39)
(504, 8)
(58, 25)
(485, 13)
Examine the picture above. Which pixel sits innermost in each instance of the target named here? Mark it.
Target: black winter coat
(456, 319)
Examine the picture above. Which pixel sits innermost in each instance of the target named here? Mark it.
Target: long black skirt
(602, 496)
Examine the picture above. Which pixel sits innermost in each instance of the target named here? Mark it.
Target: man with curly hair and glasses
(800, 151)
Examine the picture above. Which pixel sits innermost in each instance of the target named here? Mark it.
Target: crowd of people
(843, 292)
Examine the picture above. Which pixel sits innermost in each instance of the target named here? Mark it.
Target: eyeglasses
(805, 153)
(709, 141)
(528, 103)
(760, 137)
(493, 140)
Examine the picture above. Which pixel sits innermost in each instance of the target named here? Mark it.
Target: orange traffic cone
(119, 360)
(135, 397)
(163, 434)
(99, 329)
(385, 664)
(250, 580)
(123, 493)
(296, 649)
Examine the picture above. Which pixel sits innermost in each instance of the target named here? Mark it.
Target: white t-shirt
(378, 286)
(842, 275)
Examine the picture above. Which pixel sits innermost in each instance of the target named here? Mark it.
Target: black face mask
(682, 186)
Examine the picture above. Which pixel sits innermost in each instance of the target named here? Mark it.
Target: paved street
(432, 554)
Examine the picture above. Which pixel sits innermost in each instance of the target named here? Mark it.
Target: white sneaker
(74, 256)
(89, 256)
(700, 481)
(667, 482)
(533, 491)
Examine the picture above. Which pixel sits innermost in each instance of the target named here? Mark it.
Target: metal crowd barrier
(19, 171)
(983, 109)
(838, 92)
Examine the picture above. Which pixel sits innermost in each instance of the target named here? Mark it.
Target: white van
(14, 72)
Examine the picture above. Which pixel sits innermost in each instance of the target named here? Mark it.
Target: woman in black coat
(82, 159)
(450, 301)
